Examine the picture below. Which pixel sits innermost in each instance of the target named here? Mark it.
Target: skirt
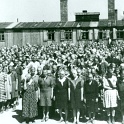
(92, 105)
(45, 98)
(110, 98)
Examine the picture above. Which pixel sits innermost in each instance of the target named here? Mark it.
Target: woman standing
(2, 90)
(14, 80)
(29, 101)
(61, 94)
(76, 94)
(91, 95)
(121, 95)
(46, 93)
(110, 95)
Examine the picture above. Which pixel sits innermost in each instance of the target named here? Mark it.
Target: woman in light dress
(110, 95)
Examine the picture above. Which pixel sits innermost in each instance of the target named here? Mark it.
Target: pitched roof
(3, 25)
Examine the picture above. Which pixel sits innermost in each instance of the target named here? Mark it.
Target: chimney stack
(111, 10)
(64, 10)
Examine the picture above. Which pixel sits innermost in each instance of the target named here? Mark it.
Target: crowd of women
(70, 75)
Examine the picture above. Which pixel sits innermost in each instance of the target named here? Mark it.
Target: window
(102, 34)
(2, 38)
(68, 34)
(51, 35)
(85, 35)
(120, 34)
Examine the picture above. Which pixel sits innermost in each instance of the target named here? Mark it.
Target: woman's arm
(69, 91)
(105, 84)
(25, 84)
(82, 90)
(82, 93)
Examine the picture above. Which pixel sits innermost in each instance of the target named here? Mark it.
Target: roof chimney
(111, 10)
(84, 11)
(64, 10)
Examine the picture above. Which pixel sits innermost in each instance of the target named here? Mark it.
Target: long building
(87, 26)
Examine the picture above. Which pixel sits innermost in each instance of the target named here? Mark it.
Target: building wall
(40, 37)
(17, 38)
(8, 38)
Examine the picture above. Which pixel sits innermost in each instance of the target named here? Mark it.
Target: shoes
(61, 120)
(47, 118)
(77, 122)
(24, 123)
(66, 122)
(122, 122)
(93, 122)
(74, 122)
(88, 122)
(109, 120)
(43, 119)
(113, 120)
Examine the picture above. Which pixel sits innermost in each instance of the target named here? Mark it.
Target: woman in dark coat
(91, 95)
(29, 101)
(76, 94)
(61, 94)
(120, 85)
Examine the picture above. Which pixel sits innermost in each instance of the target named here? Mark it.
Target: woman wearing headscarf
(61, 94)
(76, 94)
(110, 95)
(29, 99)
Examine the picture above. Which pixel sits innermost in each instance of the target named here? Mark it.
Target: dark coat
(75, 96)
(91, 91)
(61, 94)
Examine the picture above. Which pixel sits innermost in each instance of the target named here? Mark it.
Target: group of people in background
(71, 75)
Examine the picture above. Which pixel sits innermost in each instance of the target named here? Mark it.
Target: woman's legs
(60, 112)
(78, 115)
(47, 113)
(74, 115)
(113, 115)
(43, 114)
(108, 115)
(122, 113)
(66, 114)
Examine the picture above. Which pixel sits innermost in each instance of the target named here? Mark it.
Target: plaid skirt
(110, 98)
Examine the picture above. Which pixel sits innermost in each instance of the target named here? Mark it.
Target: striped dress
(2, 87)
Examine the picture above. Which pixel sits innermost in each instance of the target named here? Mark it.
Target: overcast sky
(49, 10)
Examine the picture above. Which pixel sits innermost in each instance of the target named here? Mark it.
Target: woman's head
(32, 71)
(74, 73)
(61, 73)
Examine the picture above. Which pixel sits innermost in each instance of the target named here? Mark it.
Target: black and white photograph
(61, 61)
